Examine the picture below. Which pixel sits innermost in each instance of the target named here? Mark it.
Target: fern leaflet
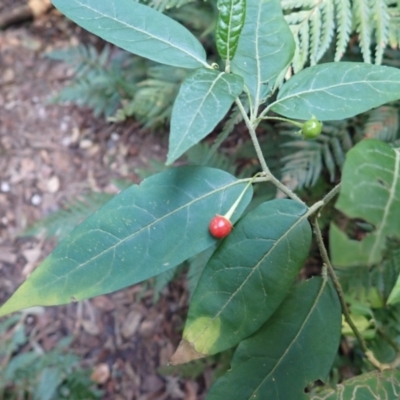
(315, 22)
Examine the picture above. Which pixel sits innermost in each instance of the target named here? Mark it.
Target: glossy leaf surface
(295, 347)
(247, 278)
(138, 29)
(265, 48)
(141, 232)
(373, 385)
(333, 91)
(203, 100)
(371, 192)
(229, 25)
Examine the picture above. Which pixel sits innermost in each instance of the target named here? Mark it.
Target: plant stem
(254, 139)
(324, 254)
(290, 121)
(331, 194)
(266, 171)
(289, 193)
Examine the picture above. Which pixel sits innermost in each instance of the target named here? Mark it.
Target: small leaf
(265, 48)
(394, 296)
(371, 192)
(229, 25)
(334, 91)
(138, 29)
(203, 100)
(246, 278)
(50, 379)
(294, 348)
(141, 232)
(372, 385)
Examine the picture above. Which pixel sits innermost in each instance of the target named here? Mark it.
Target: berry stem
(290, 121)
(230, 212)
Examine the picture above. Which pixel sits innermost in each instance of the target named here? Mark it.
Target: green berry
(311, 128)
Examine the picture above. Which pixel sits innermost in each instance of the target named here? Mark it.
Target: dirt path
(49, 154)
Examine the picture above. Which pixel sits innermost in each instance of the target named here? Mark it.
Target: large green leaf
(265, 48)
(138, 29)
(246, 278)
(294, 348)
(141, 232)
(371, 192)
(203, 100)
(229, 25)
(334, 91)
(373, 385)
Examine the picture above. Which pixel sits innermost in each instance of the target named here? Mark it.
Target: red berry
(220, 227)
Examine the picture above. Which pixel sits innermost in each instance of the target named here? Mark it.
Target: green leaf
(334, 91)
(141, 232)
(391, 269)
(203, 100)
(371, 192)
(373, 385)
(246, 278)
(138, 29)
(294, 348)
(50, 379)
(229, 25)
(265, 48)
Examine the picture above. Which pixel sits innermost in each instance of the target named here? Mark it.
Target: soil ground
(50, 154)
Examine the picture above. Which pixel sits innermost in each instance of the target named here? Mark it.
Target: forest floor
(49, 155)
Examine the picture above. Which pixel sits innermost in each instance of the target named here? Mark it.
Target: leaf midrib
(140, 230)
(309, 314)
(152, 36)
(326, 88)
(200, 106)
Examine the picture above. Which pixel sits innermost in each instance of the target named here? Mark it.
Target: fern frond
(312, 24)
(235, 117)
(343, 26)
(382, 124)
(291, 4)
(303, 167)
(304, 35)
(362, 25)
(199, 16)
(101, 79)
(60, 223)
(306, 159)
(328, 25)
(315, 30)
(393, 8)
(153, 97)
(380, 15)
(296, 62)
(199, 155)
